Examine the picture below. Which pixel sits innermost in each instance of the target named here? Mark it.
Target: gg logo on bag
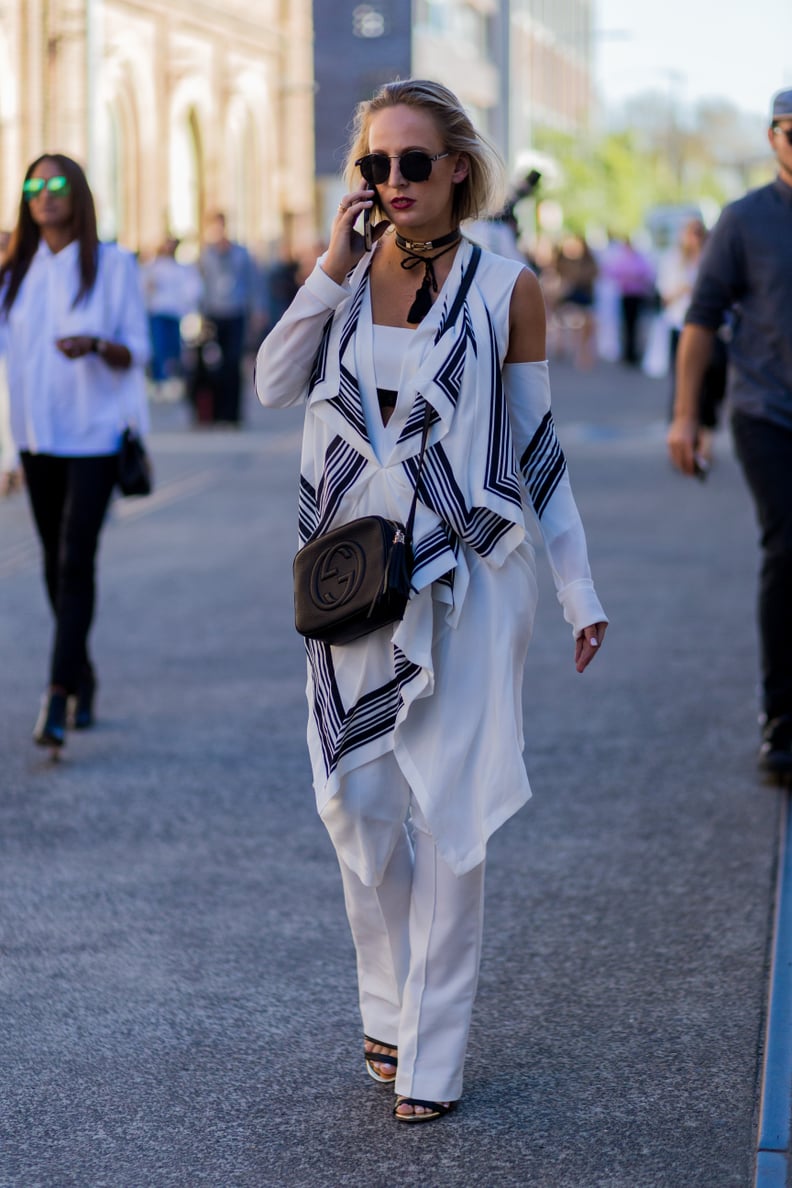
(337, 574)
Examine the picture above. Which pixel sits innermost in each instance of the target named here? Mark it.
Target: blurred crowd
(209, 308)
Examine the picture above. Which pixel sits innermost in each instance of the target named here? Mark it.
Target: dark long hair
(26, 235)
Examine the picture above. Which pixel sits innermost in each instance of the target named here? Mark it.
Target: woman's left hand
(587, 645)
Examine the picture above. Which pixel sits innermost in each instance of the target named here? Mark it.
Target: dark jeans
(165, 346)
(231, 340)
(632, 308)
(765, 453)
(69, 498)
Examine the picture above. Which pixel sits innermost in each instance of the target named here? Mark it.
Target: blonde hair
(482, 192)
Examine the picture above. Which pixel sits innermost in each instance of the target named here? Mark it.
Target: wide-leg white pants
(416, 927)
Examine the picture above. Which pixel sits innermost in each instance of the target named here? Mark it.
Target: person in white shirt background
(74, 334)
(172, 290)
(10, 470)
(675, 279)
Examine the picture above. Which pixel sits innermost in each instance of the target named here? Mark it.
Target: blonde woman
(415, 731)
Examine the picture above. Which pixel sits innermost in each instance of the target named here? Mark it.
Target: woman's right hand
(346, 245)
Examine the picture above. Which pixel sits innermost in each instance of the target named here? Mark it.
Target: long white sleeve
(286, 356)
(544, 470)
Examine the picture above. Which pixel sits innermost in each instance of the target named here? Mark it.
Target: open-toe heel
(375, 1058)
(432, 1109)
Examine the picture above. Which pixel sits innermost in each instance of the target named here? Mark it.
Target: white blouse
(75, 407)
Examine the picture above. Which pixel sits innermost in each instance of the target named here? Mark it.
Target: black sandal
(435, 1109)
(373, 1058)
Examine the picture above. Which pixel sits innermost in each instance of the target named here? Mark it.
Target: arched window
(108, 179)
(185, 197)
(242, 172)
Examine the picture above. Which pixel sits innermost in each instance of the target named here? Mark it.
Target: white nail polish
(594, 641)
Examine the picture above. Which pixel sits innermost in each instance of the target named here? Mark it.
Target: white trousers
(417, 931)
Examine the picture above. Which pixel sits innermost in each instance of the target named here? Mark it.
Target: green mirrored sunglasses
(36, 185)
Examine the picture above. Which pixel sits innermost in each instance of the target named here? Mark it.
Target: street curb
(776, 1090)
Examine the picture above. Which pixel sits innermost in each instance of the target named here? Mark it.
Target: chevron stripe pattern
(320, 363)
(373, 716)
(440, 543)
(413, 426)
(543, 464)
(438, 489)
(501, 477)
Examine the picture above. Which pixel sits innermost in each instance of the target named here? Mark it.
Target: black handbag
(354, 579)
(134, 466)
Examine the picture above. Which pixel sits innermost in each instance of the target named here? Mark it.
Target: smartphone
(700, 467)
(367, 229)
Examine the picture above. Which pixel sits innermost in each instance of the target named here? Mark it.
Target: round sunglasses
(414, 166)
(34, 186)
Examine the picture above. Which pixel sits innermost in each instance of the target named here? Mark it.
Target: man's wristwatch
(98, 346)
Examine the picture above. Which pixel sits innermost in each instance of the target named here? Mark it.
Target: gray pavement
(177, 976)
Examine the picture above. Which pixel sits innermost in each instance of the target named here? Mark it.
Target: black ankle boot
(50, 728)
(775, 753)
(83, 702)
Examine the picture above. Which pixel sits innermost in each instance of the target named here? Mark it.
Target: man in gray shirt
(229, 282)
(747, 269)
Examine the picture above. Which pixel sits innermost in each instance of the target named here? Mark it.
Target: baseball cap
(782, 105)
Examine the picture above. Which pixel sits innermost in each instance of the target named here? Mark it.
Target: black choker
(412, 248)
(427, 245)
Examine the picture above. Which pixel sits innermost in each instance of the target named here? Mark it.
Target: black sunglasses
(414, 166)
(784, 132)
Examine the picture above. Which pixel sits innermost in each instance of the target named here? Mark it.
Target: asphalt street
(177, 977)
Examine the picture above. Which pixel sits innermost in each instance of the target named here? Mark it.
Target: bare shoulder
(527, 322)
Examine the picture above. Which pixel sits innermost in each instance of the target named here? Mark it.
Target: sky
(694, 49)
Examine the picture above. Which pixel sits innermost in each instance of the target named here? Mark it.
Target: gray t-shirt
(229, 281)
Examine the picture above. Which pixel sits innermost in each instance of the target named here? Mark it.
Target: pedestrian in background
(278, 286)
(675, 280)
(577, 270)
(633, 275)
(172, 290)
(415, 730)
(73, 330)
(10, 470)
(747, 269)
(229, 300)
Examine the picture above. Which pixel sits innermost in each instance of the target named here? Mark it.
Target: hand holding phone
(367, 228)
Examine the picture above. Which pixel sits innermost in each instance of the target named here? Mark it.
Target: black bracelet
(94, 346)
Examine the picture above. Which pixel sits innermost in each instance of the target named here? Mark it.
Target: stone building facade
(176, 107)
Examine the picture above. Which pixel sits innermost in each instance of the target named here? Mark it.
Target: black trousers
(231, 340)
(69, 498)
(632, 308)
(765, 453)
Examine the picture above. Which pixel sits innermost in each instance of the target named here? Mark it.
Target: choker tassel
(423, 296)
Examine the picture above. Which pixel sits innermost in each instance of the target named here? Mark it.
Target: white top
(171, 289)
(390, 345)
(75, 407)
(675, 280)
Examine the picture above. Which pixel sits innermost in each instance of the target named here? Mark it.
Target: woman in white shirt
(675, 281)
(415, 730)
(74, 334)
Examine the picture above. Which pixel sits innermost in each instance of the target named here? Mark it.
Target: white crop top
(390, 347)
